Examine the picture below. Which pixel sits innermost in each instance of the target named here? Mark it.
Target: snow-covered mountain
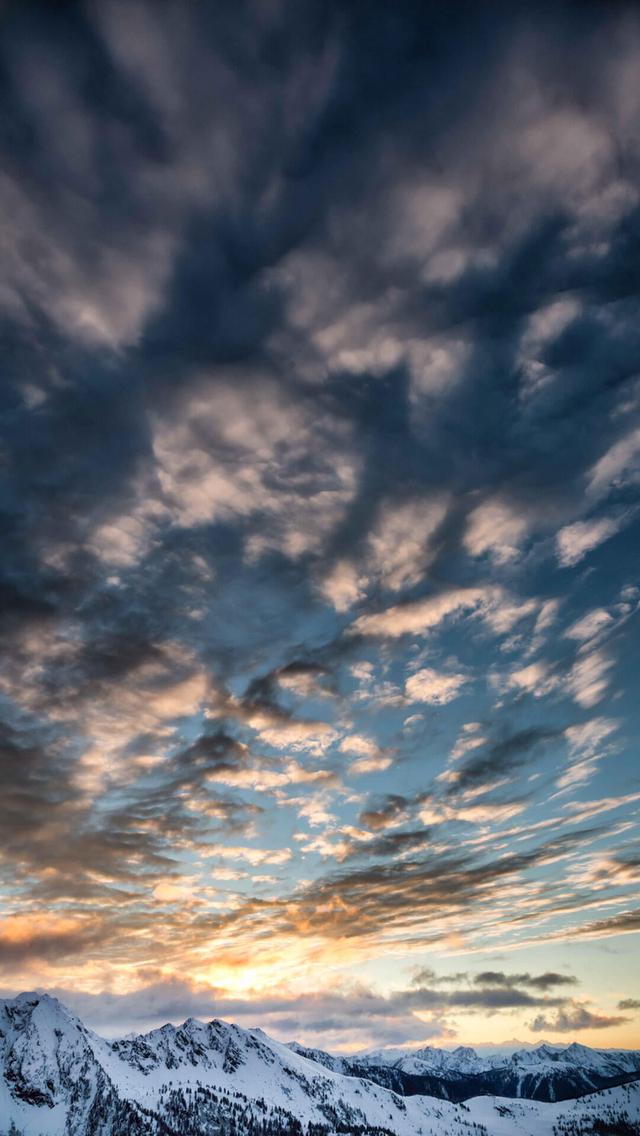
(58, 1078)
(52, 1079)
(429, 1059)
(544, 1073)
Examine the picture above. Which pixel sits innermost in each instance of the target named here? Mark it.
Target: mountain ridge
(545, 1072)
(59, 1078)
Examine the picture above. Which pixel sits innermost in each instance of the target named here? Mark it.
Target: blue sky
(320, 459)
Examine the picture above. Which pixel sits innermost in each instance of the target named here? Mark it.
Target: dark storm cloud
(215, 304)
(30, 793)
(47, 827)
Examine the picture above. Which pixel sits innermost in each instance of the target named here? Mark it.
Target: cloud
(429, 685)
(497, 528)
(589, 625)
(107, 305)
(547, 981)
(349, 1017)
(47, 938)
(237, 450)
(369, 758)
(589, 678)
(543, 329)
(588, 743)
(263, 777)
(617, 466)
(266, 478)
(436, 884)
(586, 739)
(624, 923)
(342, 586)
(535, 678)
(574, 1018)
(422, 615)
(252, 855)
(574, 541)
(398, 551)
(500, 758)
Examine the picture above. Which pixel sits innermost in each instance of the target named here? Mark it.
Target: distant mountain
(58, 1078)
(544, 1073)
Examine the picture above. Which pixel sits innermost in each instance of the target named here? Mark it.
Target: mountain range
(59, 1078)
(546, 1073)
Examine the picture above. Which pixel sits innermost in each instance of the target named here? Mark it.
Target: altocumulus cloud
(320, 437)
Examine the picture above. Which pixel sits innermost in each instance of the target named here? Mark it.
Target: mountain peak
(56, 1077)
(35, 998)
(40, 1010)
(465, 1052)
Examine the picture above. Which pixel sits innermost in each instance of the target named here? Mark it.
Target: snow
(54, 1068)
(504, 1117)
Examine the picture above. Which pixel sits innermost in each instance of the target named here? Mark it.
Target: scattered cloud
(618, 466)
(283, 499)
(434, 687)
(420, 616)
(590, 677)
(574, 541)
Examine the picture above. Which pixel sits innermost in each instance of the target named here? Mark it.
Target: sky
(320, 502)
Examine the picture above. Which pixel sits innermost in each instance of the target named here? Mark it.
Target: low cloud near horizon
(350, 1019)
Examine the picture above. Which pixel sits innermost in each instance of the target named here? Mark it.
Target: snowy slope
(57, 1078)
(614, 1112)
(223, 1057)
(60, 1079)
(51, 1082)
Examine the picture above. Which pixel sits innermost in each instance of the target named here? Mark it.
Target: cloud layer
(320, 450)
